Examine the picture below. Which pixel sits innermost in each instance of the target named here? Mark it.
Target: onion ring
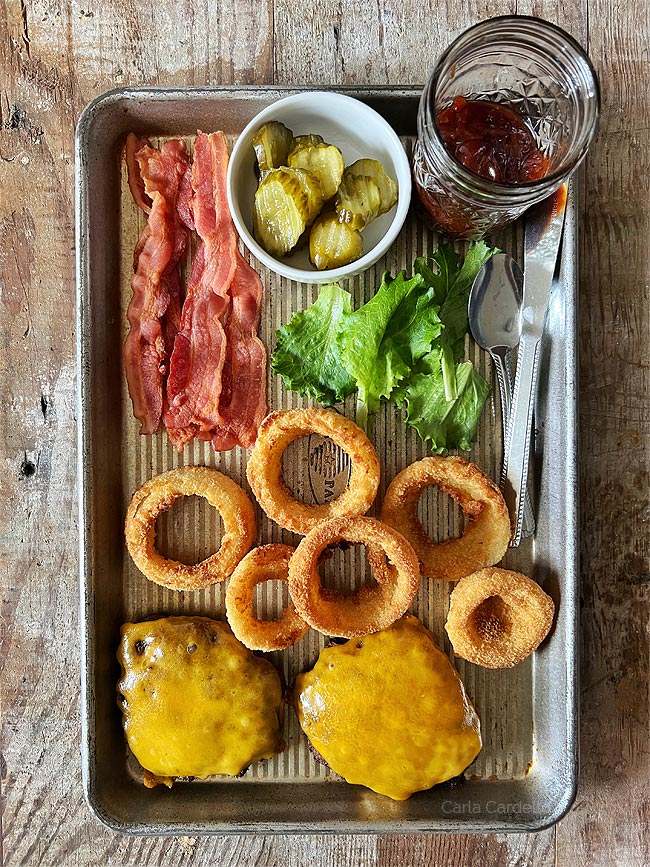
(497, 617)
(264, 468)
(371, 608)
(157, 495)
(486, 536)
(267, 563)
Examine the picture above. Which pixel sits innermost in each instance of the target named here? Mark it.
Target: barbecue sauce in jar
(491, 140)
(478, 162)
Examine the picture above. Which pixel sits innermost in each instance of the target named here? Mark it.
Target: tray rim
(87, 119)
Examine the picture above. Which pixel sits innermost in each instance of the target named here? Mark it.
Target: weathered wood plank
(55, 57)
(463, 850)
(39, 613)
(389, 42)
(609, 823)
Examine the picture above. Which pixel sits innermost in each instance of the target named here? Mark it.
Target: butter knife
(543, 233)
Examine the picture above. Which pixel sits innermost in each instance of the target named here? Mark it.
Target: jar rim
(478, 184)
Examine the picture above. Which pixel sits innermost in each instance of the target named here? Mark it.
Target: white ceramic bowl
(358, 131)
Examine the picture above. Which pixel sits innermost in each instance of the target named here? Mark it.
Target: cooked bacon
(211, 212)
(243, 393)
(135, 143)
(171, 320)
(194, 383)
(185, 203)
(154, 311)
(209, 353)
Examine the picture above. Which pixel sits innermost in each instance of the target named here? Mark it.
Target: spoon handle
(505, 387)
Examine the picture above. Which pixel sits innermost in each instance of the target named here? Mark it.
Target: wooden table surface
(55, 57)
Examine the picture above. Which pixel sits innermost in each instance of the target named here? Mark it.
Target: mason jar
(528, 66)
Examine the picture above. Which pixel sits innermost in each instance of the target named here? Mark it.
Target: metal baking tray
(525, 776)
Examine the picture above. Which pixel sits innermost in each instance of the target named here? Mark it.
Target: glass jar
(533, 68)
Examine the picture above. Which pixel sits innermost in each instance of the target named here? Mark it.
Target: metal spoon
(494, 320)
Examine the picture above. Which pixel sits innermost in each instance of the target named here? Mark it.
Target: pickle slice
(388, 189)
(306, 141)
(271, 143)
(358, 200)
(281, 210)
(324, 160)
(332, 243)
(312, 188)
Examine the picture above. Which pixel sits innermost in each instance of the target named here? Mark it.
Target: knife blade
(543, 234)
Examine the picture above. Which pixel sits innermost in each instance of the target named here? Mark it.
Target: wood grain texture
(609, 823)
(54, 57)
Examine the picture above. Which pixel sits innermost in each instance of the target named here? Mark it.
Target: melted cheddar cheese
(389, 711)
(195, 701)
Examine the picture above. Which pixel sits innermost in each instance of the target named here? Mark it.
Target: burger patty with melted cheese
(389, 711)
(195, 701)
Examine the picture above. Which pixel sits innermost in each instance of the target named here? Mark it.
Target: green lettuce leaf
(412, 329)
(453, 308)
(440, 279)
(404, 345)
(452, 285)
(446, 424)
(306, 354)
(409, 336)
(376, 369)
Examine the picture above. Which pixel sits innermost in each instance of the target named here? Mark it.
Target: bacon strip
(243, 394)
(198, 357)
(216, 387)
(197, 362)
(154, 311)
(135, 143)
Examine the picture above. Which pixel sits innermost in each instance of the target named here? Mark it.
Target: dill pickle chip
(306, 140)
(388, 190)
(325, 161)
(332, 243)
(358, 200)
(271, 143)
(280, 211)
(312, 188)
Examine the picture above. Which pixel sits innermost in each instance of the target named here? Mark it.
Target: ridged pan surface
(507, 701)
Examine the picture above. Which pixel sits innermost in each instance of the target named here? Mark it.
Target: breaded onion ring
(267, 563)
(497, 618)
(157, 495)
(371, 608)
(264, 468)
(486, 536)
